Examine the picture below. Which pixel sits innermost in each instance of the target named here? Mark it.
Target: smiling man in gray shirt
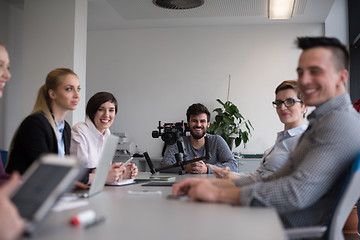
(305, 189)
(199, 143)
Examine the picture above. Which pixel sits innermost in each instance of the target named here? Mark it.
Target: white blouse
(87, 143)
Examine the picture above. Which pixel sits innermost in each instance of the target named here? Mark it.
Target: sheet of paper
(69, 202)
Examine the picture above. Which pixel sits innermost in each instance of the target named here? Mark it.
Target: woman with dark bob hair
(88, 138)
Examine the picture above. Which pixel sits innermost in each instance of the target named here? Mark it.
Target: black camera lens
(169, 137)
(155, 134)
(170, 132)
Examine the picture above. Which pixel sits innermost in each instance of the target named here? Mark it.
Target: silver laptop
(103, 167)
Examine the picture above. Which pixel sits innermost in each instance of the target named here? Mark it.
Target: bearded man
(199, 143)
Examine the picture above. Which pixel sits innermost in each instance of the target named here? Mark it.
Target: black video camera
(171, 132)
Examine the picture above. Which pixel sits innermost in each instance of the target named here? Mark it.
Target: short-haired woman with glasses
(291, 111)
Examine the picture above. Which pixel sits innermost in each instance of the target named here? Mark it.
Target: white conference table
(153, 216)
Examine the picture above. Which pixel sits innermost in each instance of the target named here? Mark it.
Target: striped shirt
(305, 189)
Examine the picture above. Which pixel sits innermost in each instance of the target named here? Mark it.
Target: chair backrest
(349, 195)
(4, 157)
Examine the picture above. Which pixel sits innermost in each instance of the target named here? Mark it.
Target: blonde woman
(45, 130)
(4, 78)
(10, 220)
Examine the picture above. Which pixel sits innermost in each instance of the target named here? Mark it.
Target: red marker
(83, 218)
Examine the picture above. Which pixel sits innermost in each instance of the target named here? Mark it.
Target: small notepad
(157, 179)
(121, 182)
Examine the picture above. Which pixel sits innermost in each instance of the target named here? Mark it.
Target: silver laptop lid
(102, 169)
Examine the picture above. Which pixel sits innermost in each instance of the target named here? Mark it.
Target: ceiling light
(178, 4)
(281, 9)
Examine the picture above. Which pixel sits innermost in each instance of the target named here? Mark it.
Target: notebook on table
(122, 182)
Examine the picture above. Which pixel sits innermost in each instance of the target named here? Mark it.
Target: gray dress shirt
(305, 189)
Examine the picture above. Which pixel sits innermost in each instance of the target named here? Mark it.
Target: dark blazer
(34, 137)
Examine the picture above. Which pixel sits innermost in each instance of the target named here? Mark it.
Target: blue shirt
(60, 142)
(277, 155)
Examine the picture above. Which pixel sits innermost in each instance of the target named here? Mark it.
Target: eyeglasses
(289, 102)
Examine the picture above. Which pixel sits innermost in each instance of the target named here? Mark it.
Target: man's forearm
(232, 164)
(223, 183)
(230, 195)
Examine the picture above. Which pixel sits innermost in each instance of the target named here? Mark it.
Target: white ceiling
(128, 14)
(125, 14)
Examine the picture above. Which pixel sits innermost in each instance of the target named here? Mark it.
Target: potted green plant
(230, 124)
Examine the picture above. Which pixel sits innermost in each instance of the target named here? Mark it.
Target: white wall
(157, 73)
(336, 24)
(29, 50)
(58, 40)
(10, 114)
(12, 100)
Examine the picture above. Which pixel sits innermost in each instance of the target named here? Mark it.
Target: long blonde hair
(43, 100)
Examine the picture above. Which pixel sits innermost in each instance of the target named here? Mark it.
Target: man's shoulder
(214, 138)
(211, 136)
(346, 116)
(344, 124)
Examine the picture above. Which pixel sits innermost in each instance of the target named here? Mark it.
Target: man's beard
(198, 136)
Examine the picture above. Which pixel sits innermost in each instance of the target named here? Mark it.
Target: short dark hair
(290, 84)
(340, 52)
(95, 102)
(197, 109)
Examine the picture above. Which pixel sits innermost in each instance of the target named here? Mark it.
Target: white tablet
(43, 184)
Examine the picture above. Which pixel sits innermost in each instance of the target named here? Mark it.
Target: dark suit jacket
(34, 137)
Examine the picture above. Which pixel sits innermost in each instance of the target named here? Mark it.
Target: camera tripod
(180, 159)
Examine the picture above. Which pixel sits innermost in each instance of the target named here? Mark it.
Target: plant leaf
(227, 123)
(237, 141)
(245, 136)
(219, 101)
(219, 131)
(218, 110)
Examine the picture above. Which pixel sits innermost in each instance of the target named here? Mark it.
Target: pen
(94, 223)
(145, 192)
(128, 161)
